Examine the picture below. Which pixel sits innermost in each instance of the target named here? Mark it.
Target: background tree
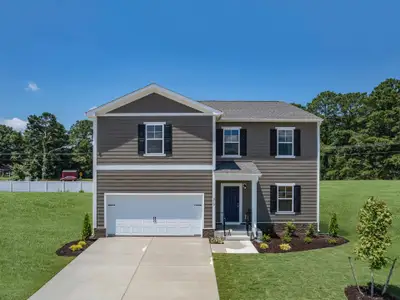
(46, 142)
(11, 141)
(81, 139)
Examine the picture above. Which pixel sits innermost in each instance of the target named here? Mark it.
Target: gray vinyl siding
(154, 103)
(155, 182)
(301, 170)
(117, 141)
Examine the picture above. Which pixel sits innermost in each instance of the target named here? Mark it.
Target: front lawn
(316, 274)
(32, 227)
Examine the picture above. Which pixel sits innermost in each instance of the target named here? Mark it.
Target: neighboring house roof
(254, 111)
(237, 167)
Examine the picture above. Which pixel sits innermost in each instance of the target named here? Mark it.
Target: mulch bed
(297, 244)
(352, 293)
(65, 251)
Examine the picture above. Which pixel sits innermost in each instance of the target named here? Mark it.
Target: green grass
(316, 274)
(32, 227)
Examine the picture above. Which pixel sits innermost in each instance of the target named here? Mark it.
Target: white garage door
(154, 214)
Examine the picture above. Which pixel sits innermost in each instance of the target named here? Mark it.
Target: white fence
(46, 186)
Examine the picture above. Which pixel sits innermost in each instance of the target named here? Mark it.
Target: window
(231, 141)
(285, 142)
(155, 138)
(285, 198)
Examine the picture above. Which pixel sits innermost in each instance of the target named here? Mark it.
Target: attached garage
(154, 214)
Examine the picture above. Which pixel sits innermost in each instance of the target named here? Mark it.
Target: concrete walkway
(137, 268)
(234, 247)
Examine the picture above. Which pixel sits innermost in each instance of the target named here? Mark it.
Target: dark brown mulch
(352, 293)
(65, 251)
(297, 244)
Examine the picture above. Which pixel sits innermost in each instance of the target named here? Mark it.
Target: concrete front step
(237, 238)
(232, 232)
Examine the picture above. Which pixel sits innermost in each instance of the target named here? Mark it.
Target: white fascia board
(269, 120)
(147, 90)
(234, 177)
(157, 115)
(154, 167)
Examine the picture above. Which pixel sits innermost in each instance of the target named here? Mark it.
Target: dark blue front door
(231, 203)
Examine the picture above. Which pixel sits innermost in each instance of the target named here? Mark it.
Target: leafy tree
(87, 227)
(11, 142)
(333, 226)
(373, 227)
(46, 142)
(81, 139)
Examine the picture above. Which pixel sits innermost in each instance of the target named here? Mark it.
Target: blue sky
(79, 54)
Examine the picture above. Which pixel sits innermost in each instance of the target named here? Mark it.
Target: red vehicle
(69, 175)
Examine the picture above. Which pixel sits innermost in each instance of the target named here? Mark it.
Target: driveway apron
(122, 268)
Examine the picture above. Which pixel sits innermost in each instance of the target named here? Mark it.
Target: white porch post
(254, 206)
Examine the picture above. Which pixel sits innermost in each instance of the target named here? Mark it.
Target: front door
(231, 203)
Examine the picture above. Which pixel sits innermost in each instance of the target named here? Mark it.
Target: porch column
(254, 206)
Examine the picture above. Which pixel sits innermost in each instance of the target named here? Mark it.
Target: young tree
(373, 227)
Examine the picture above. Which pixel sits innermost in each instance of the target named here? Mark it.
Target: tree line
(360, 138)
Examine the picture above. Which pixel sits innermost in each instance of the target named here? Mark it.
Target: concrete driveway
(137, 268)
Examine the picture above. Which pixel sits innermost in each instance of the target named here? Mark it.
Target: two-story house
(164, 164)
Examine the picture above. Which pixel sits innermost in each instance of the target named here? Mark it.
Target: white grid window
(285, 142)
(155, 139)
(285, 198)
(231, 141)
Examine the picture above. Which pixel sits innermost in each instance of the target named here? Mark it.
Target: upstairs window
(231, 142)
(155, 138)
(285, 142)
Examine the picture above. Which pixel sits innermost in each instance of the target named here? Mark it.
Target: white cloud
(32, 87)
(15, 123)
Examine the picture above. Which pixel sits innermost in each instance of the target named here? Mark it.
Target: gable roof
(147, 90)
(258, 111)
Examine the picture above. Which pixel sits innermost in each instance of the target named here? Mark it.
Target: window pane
(158, 128)
(289, 136)
(150, 134)
(281, 135)
(231, 149)
(285, 205)
(285, 149)
(154, 146)
(235, 135)
(282, 192)
(288, 192)
(158, 134)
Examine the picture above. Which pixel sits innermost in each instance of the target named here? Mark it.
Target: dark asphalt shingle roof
(237, 167)
(274, 110)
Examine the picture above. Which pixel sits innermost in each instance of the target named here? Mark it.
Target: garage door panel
(174, 214)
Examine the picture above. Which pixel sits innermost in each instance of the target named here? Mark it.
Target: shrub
(76, 247)
(81, 191)
(307, 240)
(333, 226)
(332, 241)
(287, 238)
(264, 246)
(285, 247)
(82, 243)
(266, 238)
(216, 240)
(290, 228)
(310, 231)
(87, 227)
(374, 223)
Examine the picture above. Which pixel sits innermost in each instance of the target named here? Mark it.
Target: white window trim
(223, 143)
(146, 139)
(277, 142)
(277, 199)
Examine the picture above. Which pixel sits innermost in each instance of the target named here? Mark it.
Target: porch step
(237, 237)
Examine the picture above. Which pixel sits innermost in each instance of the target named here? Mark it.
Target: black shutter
(243, 142)
(297, 198)
(219, 141)
(273, 205)
(168, 139)
(297, 142)
(141, 139)
(272, 142)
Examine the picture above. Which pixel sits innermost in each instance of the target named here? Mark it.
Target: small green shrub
(333, 229)
(332, 241)
(216, 240)
(266, 238)
(81, 191)
(290, 228)
(87, 227)
(307, 240)
(310, 231)
(264, 246)
(287, 238)
(285, 247)
(76, 247)
(82, 243)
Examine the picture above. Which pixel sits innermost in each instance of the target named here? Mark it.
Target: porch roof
(237, 168)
